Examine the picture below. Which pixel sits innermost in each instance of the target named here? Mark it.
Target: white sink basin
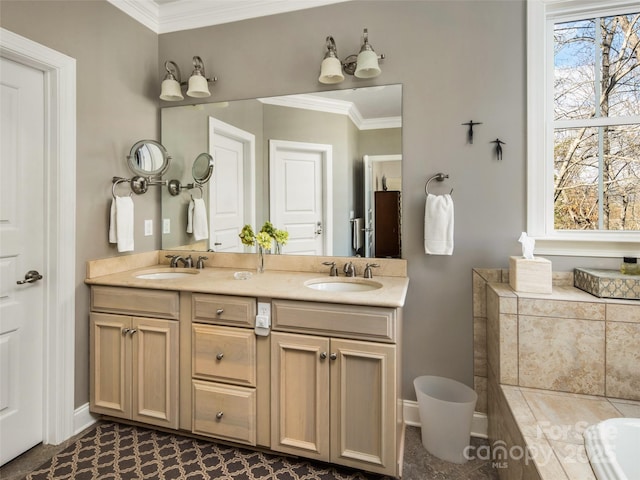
(166, 274)
(343, 285)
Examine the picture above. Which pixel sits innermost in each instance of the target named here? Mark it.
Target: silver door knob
(323, 355)
(30, 277)
(333, 356)
(219, 415)
(220, 356)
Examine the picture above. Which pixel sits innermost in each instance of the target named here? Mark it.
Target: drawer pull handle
(219, 356)
(333, 356)
(323, 355)
(220, 311)
(219, 415)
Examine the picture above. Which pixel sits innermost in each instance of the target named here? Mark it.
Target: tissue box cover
(530, 276)
(607, 283)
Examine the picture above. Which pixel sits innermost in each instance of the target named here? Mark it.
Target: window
(584, 127)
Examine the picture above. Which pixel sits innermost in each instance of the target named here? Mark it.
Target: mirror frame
(210, 166)
(131, 159)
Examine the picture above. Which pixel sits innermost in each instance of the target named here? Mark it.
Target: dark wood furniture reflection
(387, 224)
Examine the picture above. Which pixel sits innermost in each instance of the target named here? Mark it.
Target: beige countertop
(270, 284)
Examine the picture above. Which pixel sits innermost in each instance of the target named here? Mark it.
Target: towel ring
(116, 181)
(199, 187)
(440, 178)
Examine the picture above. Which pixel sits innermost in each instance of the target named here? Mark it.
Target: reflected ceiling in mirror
(244, 137)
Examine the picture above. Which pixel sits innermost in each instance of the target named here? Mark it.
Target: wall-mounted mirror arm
(201, 171)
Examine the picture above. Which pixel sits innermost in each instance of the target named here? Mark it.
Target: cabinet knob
(220, 311)
(323, 355)
(219, 356)
(125, 331)
(333, 356)
(219, 415)
(132, 331)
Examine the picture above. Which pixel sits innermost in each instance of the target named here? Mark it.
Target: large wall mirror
(325, 166)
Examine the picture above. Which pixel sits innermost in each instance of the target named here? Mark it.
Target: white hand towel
(200, 226)
(121, 223)
(113, 237)
(438, 225)
(190, 217)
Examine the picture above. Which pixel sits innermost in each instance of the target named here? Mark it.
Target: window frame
(541, 15)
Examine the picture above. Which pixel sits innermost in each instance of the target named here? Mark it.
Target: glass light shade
(331, 71)
(367, 65)
(170, 90)
(198, 87)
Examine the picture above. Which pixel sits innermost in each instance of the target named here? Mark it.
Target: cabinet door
(300, 395)
(363, 405)
(110, 365)
(155, 371)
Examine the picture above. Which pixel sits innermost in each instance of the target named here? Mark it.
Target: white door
(231, 203)
(21, 250)
(300, 195)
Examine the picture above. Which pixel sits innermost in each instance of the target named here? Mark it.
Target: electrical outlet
(166, 225)
(148, 228)
(264, 308)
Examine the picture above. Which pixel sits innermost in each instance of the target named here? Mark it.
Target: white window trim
(540, 136)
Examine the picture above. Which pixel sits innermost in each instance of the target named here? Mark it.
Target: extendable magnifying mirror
(147, 159)
(202, 170)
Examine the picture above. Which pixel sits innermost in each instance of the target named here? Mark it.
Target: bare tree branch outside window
(597, 164)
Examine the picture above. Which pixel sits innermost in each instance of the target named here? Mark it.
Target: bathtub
(613, 448)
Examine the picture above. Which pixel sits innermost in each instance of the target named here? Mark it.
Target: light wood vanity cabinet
(223, 367)
(336, 399)
(134, 360)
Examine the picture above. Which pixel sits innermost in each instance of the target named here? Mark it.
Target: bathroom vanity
(183, 353)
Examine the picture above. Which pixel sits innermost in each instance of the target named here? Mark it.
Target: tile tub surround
(567, 341)
(557, 363)
(549, 426)
(481, 277)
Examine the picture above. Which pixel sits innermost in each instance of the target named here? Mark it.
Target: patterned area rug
(116, 451)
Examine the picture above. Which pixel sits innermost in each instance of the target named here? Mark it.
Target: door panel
(300, 195)
(300, 395)
(21, 250)
(362, 395)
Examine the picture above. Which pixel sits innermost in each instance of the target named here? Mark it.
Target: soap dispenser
(630, 266)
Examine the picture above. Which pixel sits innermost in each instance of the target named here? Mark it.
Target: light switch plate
(166, 225)
(148, 228)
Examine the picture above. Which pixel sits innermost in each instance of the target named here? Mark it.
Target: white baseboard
(82, 418)
(412, 417)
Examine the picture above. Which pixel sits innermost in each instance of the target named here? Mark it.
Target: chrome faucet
(200, 262)
(174, 260)
(186, 262)
(367, 269)
(333, 271)
(349, 269)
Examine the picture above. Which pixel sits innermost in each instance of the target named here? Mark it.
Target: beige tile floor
(418, 463)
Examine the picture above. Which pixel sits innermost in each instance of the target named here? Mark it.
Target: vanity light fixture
(363, 65)
(198, 85)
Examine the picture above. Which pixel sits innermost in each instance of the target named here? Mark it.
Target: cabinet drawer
(349, 321)
(224, 354)
(135, 301)
(224, 310)
(224, 411)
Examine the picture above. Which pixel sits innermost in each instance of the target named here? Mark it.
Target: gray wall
(456, 60)
(116, 106)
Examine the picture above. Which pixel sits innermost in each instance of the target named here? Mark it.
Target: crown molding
(329, 105)
(188, 14)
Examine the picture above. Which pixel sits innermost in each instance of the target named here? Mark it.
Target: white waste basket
(446, 411)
